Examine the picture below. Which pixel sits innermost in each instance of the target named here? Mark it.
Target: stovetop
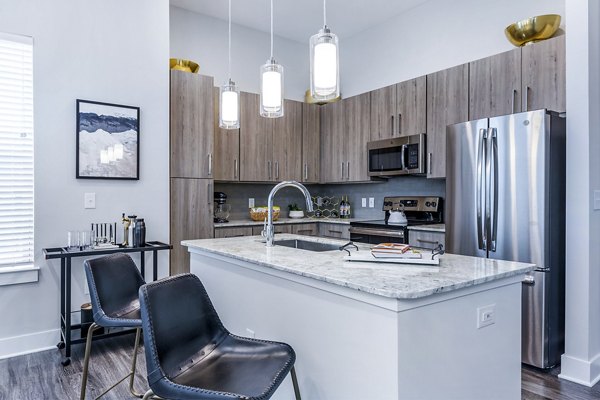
(381, 223)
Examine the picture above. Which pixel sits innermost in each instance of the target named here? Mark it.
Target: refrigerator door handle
(488, 193)
(494, 154)
(480, 185)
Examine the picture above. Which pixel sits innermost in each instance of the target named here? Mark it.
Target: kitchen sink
(307, 245)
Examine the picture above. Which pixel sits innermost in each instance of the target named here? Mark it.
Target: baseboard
(580, 371)
(29, 343)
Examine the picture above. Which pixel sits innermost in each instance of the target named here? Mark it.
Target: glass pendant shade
(324, 65)
(271, 90)
(229, 106)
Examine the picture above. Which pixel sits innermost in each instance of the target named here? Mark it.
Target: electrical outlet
(486, 316)
(89, 200)
(371, 202)
(251, 202)
(364, 202)
(250, 333)
(596, 199)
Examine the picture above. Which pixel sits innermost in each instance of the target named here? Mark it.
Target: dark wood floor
(41, 376)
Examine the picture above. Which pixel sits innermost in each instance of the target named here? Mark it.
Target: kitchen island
(370, 330)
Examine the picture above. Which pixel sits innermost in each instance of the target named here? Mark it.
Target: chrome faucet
(269, 231)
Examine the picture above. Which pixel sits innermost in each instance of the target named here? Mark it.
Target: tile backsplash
(239, 193)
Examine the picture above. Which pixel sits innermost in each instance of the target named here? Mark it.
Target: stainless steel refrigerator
(505, 189)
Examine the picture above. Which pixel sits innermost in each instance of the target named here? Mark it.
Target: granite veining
(428, 228)
(399, 281)
(284, 221)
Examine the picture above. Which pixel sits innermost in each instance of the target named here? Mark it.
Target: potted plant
(295, 211)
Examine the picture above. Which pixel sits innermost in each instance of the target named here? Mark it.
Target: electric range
(419, 210)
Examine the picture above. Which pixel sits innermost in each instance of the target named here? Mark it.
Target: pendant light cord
(324, 12)
(229, 46)
(271, 29)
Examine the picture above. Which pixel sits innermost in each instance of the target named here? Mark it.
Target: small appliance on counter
(221, 213)
(400, 212)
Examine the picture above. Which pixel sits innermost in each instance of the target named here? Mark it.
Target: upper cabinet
(226, 159)
(447, 103)
(270, 148)
(191, 125)
(345, 132)
(495, 85)
(544, 79)
(311, 143)
(398, 110)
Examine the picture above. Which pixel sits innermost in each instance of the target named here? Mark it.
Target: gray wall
(238, 194)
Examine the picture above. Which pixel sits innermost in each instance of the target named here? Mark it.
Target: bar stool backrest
(114, 281)
(179, 324)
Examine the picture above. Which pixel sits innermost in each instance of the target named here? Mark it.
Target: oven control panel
(416, 203)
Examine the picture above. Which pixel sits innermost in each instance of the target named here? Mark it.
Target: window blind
(16, 150)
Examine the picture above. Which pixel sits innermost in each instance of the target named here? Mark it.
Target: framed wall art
(108, 141)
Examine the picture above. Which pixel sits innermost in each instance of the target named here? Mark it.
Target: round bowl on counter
(261, 213)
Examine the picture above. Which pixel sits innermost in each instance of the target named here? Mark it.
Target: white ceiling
(299, 19)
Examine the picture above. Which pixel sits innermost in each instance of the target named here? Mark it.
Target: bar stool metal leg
(86, 359)
(138, 332)
(295, 382)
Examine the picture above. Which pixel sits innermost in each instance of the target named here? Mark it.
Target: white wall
(111, 51)
(581, 361)
(436, 35)
(204, 39)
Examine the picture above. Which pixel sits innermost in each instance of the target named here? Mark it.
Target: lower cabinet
(339, 231)
(426, 239)
(305, 229)
(234, 231)
(257, 230)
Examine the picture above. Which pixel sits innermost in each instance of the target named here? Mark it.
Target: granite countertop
(282, 221)
(428, 228)
(389, 280)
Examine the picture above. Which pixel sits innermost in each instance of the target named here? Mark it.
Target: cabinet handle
(348, 170)
(400, 124)
(230, 236)
(235, 168)
(514, 110)
(527, 98)
(305, 171)
(277, 170)
(340, 232)
(342, 169)
(392, 126)
(304, 230)
(269, 169)
(209, 164)
(209, 194)
(429, 157)
(427, 241)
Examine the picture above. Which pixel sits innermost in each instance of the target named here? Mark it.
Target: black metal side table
(65, 255)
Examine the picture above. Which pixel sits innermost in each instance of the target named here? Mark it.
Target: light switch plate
(251, 202)
(363, 202)
(596, 199)
(89, 200)
(371, 202)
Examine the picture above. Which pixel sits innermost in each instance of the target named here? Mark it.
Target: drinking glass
(73, 240)
(86, 240)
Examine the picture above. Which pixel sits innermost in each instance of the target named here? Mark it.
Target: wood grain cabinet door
(311, 143)
(356, 118)
(383, 118)
(287, 143)
(191, 125)
(310, 229)
(411, 118)
(226, 158)
(256, 154)
(234, 231)
(495, 85)
(191, 217)
(447, 103)
(333, 143)
(544, 75)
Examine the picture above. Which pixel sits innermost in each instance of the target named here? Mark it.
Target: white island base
(351, 344)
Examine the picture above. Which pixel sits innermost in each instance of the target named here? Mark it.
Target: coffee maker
(221, 212)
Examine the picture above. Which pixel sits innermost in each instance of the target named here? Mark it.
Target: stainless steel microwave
(398, 156)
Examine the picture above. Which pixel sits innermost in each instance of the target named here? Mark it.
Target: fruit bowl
(532, 29)
(261, 213)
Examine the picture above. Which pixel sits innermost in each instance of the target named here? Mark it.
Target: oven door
(398, 156)
(376, 236)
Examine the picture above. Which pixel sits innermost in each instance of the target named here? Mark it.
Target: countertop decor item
(260, 213)
(108, 141)
(532, 29)
(184, 65)
(295, 211)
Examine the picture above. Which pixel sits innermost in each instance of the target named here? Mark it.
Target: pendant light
(271, 84)
(324, 63)
(229, 96)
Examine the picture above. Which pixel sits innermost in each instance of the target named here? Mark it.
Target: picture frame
(108, 141)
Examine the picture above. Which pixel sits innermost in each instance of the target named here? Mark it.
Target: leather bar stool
(114, 282)
(190, 355)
